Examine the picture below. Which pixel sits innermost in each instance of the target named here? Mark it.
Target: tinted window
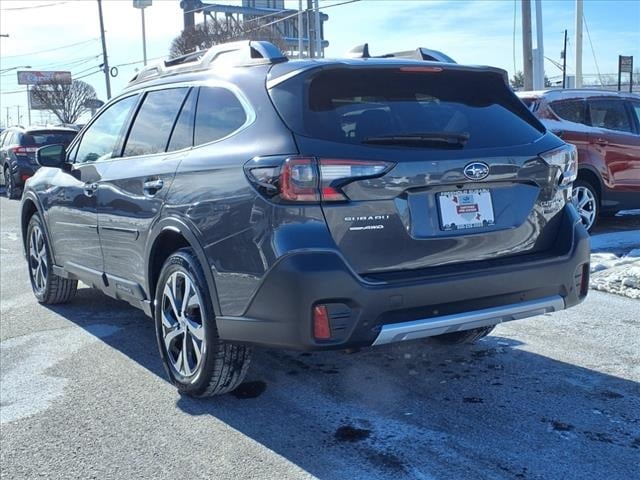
(353, 105)
(636, 110)
(101, 139)
(609, 114)
(182, 135)
(44, 137)
(219, 113)
(154, 121)
(572, 110)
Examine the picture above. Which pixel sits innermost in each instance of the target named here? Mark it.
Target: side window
(219, 113)
(2, 137)
(101, 138)
(182, 135)
(635, 106)
(571, 110)
(609, 114)
(154, 121)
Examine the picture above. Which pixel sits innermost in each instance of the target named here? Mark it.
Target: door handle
(90, 189)
(601, 141)
(151, 187)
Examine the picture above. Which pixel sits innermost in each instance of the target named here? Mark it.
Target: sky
(65, 35)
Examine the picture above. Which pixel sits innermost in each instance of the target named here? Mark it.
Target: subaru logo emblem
(476, 171)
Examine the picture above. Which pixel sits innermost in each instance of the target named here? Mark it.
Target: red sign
(35, 77)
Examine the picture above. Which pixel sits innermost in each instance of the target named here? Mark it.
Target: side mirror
(51, 156)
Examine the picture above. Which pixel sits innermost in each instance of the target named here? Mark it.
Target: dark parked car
(242, 199)
(605, 128)
(18, 153)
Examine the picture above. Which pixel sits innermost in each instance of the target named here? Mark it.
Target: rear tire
(10, 189)
(48, 287)
(197, 362)
(587, 203)
(464, 337)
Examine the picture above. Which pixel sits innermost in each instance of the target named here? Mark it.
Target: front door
(73, 210)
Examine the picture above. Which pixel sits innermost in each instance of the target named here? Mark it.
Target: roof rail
(244, 52)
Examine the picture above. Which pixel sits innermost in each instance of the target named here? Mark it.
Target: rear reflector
(25, 177)
(321, 327)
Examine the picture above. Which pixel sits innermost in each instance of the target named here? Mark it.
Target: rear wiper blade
(452, 140)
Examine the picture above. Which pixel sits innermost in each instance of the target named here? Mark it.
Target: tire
(587, 203)
(10, 189)
(197, 362)
(48, 287)
(464, 337)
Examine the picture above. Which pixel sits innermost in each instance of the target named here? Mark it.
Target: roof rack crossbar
(244, 52)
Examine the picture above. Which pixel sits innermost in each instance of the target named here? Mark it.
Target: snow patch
(616, 273)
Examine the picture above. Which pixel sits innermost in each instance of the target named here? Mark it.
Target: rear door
(617, 141)
(467, 182)
(133, 189)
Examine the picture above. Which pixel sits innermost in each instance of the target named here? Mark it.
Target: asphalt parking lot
(83, 395)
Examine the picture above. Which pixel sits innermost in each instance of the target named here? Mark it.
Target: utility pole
(564, 61)
(105, 64)
(7, 109)
(300, 29)
(316, 11)
(310, 29)
(578, 43)
(538, 82)
(527, 52)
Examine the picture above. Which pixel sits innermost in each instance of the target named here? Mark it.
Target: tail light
(310, 179)
(24, 150)
(566, 159)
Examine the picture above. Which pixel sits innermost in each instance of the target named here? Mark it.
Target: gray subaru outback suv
(241, 199)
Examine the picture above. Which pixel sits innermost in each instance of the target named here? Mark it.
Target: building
(253, 15)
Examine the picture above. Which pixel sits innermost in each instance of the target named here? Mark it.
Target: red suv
(605, 128)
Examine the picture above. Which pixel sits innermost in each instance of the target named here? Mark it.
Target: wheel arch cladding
(28, 209)
(168, 240)
(592, 178)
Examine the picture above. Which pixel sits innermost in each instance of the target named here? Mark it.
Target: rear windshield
(44, 137)
(351, 105)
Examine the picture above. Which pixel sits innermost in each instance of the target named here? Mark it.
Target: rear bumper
(370, 312)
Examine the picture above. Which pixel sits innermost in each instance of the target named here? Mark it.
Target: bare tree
(65, 100)
(204, 36)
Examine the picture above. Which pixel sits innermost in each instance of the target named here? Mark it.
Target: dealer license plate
(464, 209)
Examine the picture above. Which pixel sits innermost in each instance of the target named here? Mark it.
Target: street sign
(35, 77)
(93, 103)
(141, 3)
(36, 103)
(626, 64)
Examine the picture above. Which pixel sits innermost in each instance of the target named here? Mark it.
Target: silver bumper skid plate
(429, 327)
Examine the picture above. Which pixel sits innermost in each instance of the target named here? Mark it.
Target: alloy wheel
(182, 324)
(38, 262)
(586, 204)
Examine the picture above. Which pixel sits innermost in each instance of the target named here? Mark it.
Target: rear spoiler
(421, 53)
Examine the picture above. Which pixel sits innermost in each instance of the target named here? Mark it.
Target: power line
(52, 49)
(33, 6)
(593, 52)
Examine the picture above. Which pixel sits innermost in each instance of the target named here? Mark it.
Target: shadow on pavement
(493, 410)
